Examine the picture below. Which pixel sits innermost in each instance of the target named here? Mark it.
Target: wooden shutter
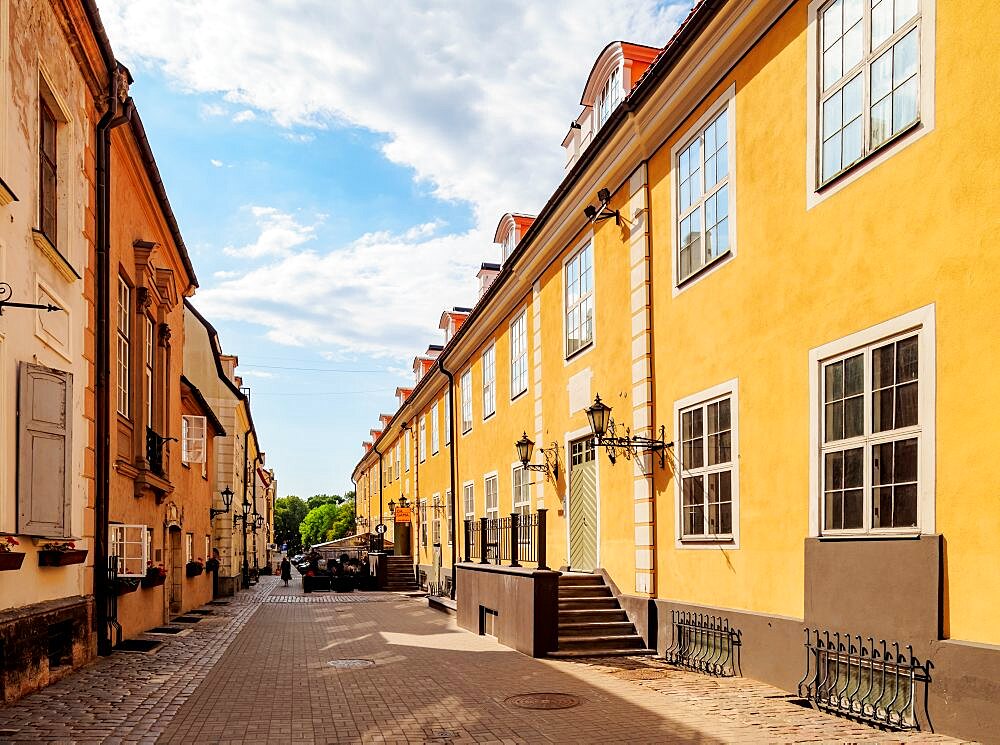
(44, 450)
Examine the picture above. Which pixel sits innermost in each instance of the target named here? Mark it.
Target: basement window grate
(487, 621)
(871, 681)
(704, 643)
(60, 644)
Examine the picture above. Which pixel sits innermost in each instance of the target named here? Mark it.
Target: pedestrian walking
(286, 570)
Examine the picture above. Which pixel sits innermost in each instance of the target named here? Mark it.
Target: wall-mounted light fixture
(575, 125)
(227, 501)
(596, 214)
(603, 426)
(6, 292)
(550, 467)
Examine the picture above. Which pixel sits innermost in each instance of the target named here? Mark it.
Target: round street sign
(380, 528)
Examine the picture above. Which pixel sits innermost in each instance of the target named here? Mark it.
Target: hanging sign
(402, 515)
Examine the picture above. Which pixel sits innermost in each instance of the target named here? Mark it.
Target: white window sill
(701, 542)
(570, 358)
(721, 260)
(901, 535)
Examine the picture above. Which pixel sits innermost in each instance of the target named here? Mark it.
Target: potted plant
(194, 568)
(60, 554)
(125, 585)
(9, 558)
(155, 576)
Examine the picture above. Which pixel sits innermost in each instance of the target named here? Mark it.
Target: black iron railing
(154, 451)
(872, 681)
(704, 643)
(515, 539)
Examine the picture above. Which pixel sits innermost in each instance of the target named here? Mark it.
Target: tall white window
(423, 523)
(408, 448)
(193, 439)
(435, 429)
(707, 464)
(579, 273)
(422, 442)
(450, 516)
(469, 500)
(489, 382)
(492, 496)
(466, 401)
(609, 97)
(128, 543)
(869, 82)
(521, 498)
(148, 370)
(189, 547)
(124, 347)
(871, 438)
(436, 521)
(447, 416)
(519, 355)
(509, 242)
(704, 196)
(397, 461)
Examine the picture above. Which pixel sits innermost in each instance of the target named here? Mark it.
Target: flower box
(194, 568)
(125, 585)
(10, 560)
(154, 579)
(55, 558)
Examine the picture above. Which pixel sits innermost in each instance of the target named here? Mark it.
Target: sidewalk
(277, 666)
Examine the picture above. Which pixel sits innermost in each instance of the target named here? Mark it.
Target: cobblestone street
(259, 670)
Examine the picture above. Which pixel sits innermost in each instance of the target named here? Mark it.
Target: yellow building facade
(788, 271)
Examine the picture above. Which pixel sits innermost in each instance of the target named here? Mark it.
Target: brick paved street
(257, 670)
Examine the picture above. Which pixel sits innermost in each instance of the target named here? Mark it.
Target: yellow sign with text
(402, 515)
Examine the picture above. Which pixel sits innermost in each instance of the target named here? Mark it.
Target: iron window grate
(704, 643)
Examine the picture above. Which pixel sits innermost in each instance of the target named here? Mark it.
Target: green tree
(317, 523)
(289, 512)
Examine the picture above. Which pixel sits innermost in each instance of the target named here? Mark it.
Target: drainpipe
(119, 112)
(453, 464)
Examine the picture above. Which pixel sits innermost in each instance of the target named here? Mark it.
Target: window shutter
(193, 439)
(44, 450)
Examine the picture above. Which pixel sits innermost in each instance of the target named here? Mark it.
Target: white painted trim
(518, 314)
(486, 477)
(570, 255)
(472, 483)
(725, 101)
(928, 46)
(569, 437)
(41, 334)
(730, 388)
(923, 321)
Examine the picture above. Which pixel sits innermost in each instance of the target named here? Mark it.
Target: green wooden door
(582, 506)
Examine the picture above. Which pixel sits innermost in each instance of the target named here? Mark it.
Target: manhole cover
(641, 674)
(350, 664)
(544, 701)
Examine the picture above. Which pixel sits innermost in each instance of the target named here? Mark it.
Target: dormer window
(509, 241)
(609, 97)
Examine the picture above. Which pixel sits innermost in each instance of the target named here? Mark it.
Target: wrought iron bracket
(6, 292)
(632, 446)
(213, 511)
(551, 465)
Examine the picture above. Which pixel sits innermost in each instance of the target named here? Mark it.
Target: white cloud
(256, 373)
(216, 163)
(244, 116)
(373, 296)
(208, 110)
(301, 137)
(279, 234)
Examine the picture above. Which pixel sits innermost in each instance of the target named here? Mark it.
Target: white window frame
(730, 390)
(816, 191)
(189, 547)
(726, 102)
(435, 430)
(422, 439)
(469, 500)
(407, 448)
(922, 323)
(449, 505)
(518, 473)
(447, 416)
(148, 368)
(466, 382)
(124, 337)
(518, 335)
(581, 301)
(194, 439)
(397, 460)
(436, 519)
(489, 369)
(609, 97)
(122, 536)
(493, 479)
(423, 523)
(208, 547)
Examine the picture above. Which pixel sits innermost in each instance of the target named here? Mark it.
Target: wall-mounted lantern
(550, 467)
(602, 424)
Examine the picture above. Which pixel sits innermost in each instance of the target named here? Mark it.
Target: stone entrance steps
(592, 622)
(399, 574)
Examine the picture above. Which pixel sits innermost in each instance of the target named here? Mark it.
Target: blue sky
(337, 170)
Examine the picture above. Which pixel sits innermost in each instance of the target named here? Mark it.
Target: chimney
(487, 273)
